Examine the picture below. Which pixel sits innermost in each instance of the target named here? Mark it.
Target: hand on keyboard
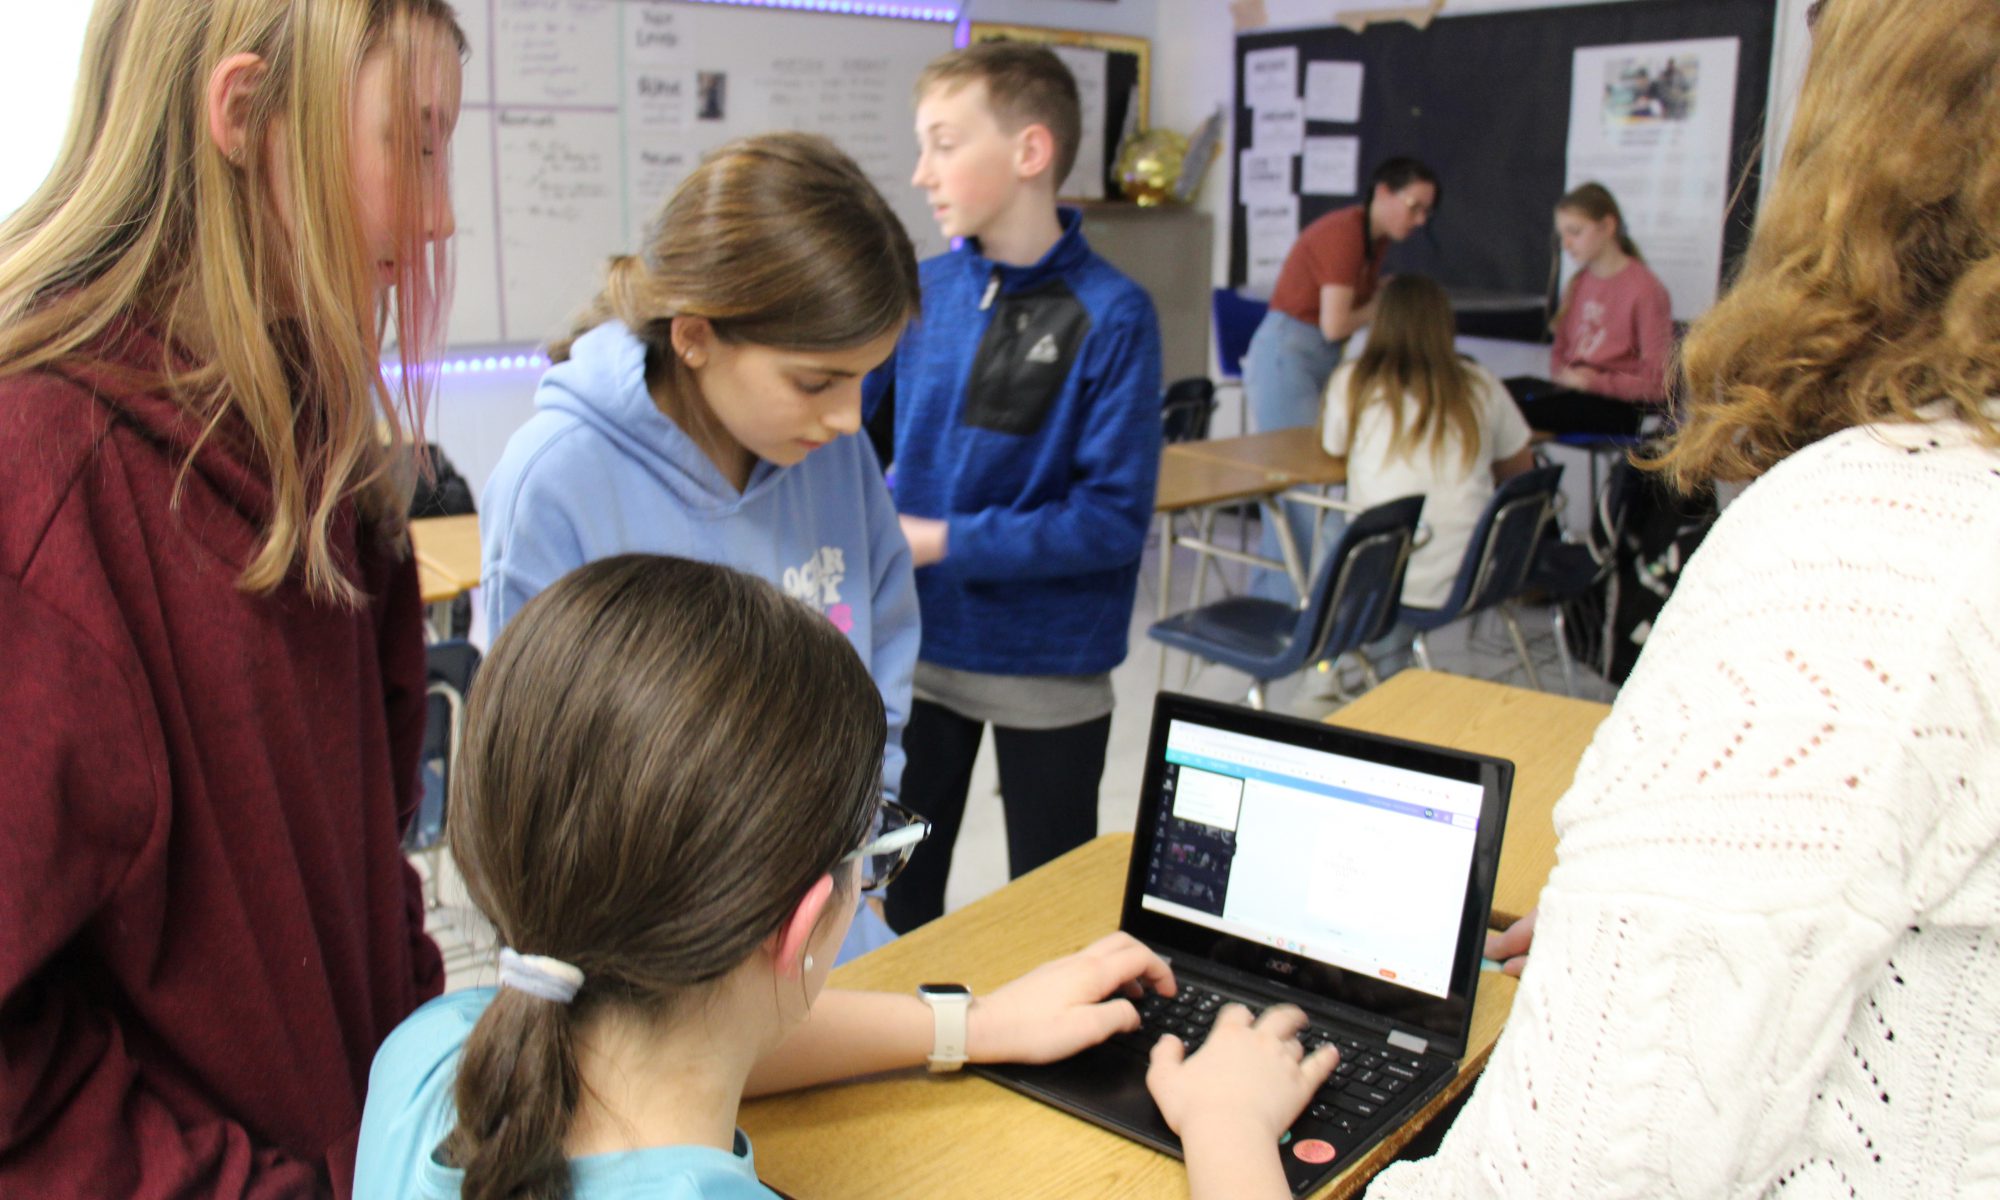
(1253, 1073)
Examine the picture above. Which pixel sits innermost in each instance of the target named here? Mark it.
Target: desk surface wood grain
(1543, 735)
(1296, 453)
(447, 552)
(911, 1134)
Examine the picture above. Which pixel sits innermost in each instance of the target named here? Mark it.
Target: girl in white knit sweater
(1767, 960)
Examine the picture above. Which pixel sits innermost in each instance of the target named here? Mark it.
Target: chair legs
(1506, 611)
(1256, 696)
(1422, 651)
(1561, 629)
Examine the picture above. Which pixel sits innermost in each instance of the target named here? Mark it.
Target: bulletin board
(579, 117)
(1114, 77)
(1486, 100)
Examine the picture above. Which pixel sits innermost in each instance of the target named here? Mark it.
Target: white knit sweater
(1768, 962)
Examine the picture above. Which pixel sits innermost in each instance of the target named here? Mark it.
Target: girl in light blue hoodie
(705, 407)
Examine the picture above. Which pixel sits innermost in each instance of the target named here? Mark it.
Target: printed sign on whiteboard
(1264, 177)
(1271, 77)
(1333, 92)
(1332, 167)
(1273, 226)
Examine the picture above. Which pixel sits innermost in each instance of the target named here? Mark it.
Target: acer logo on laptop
(1280, 966)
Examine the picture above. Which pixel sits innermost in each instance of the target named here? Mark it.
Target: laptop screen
(1353, 866)
(1351, 863)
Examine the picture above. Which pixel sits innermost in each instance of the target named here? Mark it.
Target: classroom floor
(1477, 648)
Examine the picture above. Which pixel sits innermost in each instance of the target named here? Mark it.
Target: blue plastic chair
(1236, 319)
(1185, 411)
(1496, 564)
(1352, 602)
(449, 669)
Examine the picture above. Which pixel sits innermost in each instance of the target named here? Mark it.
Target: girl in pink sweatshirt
(1614, 331)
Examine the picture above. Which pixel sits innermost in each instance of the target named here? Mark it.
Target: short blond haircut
(1025, 85)
(1872, 286)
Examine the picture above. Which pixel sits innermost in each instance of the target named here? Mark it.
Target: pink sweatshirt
(1622, 326)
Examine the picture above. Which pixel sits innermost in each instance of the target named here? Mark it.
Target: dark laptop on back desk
(1285, 860)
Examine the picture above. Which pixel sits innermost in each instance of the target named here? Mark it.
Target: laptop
(1275, 860)
(1552, 408)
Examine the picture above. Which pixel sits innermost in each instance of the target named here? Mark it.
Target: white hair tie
(544, 978)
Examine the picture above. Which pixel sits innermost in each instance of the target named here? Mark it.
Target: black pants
(1048, 791)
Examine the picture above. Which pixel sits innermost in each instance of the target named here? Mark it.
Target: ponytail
(516, 1094)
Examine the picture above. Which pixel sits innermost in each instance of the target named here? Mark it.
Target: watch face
(943, 989)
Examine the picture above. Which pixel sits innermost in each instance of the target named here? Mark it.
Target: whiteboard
(580, 116)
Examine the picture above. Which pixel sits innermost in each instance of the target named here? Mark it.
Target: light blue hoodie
(599, 470)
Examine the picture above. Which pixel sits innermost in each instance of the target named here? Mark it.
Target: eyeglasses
(1418, 208)
(884, 856)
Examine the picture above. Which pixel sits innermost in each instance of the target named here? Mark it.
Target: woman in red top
(1615, 329)
(212, 704)
(1324, 294)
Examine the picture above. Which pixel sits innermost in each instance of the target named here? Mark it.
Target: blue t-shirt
(410, 1111)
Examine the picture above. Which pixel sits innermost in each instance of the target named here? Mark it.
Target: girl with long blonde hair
(1414, 418)
(210, 618)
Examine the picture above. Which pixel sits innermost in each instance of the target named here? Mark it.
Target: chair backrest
(1355, 594)
(450, 666)
(1502, 549)
(1236, 318)
(1185, 412)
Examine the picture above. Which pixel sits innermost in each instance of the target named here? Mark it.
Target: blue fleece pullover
(1027, 413)
(599, 470)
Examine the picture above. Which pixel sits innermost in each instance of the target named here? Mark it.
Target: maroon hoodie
(206, 922)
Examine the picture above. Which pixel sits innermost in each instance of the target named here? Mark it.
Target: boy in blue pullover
(1026, 406)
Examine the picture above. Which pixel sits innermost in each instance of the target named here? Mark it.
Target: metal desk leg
(1274, 510)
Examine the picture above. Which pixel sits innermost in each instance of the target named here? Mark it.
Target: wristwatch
(950, 1003)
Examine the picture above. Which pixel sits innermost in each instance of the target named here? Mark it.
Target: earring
(810, 964)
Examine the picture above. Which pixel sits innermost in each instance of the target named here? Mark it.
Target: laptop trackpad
(1105, 1085)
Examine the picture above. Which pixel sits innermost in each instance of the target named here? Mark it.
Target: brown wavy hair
(143, 217)
(1410, 351)
(777, 240)
(661, 758)
(1872, 285)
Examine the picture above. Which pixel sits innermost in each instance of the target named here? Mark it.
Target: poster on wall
(1651, 121)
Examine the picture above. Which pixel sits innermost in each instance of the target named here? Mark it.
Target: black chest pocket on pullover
(1025, 358)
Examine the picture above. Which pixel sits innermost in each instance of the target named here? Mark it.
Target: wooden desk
(1195, 485)
(1294, 452)
(447, 550)
(1544, 735)
(909, 1134)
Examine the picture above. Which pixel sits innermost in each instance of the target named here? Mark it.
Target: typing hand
(1510, 947)
(1066, 1004)
(1249, 1076)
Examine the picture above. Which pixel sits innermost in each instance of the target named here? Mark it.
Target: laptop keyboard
(1346, 1110)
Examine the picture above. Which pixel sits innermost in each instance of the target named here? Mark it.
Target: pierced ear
(231, 89)
(693, 339)
(1035, 151)
(798, 929)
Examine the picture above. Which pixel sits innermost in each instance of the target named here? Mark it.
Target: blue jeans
(1284, 380)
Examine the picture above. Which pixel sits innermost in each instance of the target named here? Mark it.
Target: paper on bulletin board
(1271, 77)
(1331, 167)
(1651, 121)
(1093, 89)
(1272, 226)
(1333, 92)
(1279, 130)
(1263, 177)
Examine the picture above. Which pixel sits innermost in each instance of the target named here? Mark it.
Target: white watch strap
(949, 1011)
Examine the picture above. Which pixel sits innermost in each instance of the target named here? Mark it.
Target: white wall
(38, 60)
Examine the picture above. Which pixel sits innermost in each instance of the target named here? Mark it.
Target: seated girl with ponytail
(671, 880)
